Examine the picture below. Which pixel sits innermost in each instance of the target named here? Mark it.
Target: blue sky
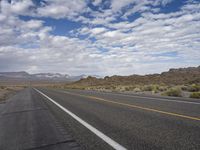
(102, 37)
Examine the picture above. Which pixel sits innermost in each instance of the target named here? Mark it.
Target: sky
(99, 37)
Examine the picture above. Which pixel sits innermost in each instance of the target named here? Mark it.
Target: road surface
(98, 120)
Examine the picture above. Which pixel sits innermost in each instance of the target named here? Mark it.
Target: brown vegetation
(195, 95)
(175, 82)
(7, 91)
(173, 92)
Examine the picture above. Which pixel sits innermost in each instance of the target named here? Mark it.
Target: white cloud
(117, 5)
(21, 6)
(48, 8)
(33, 24)
(96, 2)
(120, 47)
(98, 30)
(92, 31)
(61, 8)
(15, 7)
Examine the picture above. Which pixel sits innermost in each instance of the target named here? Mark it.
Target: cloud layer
(107, 37)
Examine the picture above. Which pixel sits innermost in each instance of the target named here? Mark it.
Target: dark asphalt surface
(27, 124)
(132, 127)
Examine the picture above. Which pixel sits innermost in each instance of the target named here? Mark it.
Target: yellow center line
(136, 106)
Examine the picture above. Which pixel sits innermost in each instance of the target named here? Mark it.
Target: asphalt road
(99, 120)
(27, 124)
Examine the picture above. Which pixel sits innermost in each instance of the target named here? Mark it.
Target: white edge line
(105, 138)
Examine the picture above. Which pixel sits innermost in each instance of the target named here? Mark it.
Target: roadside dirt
(7, 91)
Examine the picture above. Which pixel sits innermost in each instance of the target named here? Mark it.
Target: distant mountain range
(179, 76)
(48, 77)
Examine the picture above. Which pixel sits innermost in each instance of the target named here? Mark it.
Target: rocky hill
(179, 76)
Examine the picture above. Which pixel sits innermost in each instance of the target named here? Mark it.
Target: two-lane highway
(130, 121)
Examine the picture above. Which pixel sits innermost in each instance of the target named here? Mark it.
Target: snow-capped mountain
(54, 77)
(51, 75)
(21, 74)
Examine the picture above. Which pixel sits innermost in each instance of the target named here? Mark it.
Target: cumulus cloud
(61, 8)
(116, 5)
(96, 2)
(106, 42)
(16, 7)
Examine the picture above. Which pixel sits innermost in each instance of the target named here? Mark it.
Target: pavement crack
(53, 144)
(22, 111)
(2, 102)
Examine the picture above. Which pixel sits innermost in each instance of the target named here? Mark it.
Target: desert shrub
(137, 89)
(147, 88)
(129, 88)
(113, 87)
(195, 87)
(173, 92)
(195, 95)
(82, 88)
(107, 87)
(191, 88)
(76, 87)
(55, 86)
(162, 88)
(184, 88)
(153, 88)
(2, 87)
(118, 88)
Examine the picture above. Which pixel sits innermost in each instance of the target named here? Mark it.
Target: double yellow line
(136, 106)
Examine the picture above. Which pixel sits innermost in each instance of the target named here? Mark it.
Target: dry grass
(195, 95)
(173, 92)
(157, 89)
(7, 91)
(191, 88)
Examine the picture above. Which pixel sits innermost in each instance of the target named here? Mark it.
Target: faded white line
(104, 137)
